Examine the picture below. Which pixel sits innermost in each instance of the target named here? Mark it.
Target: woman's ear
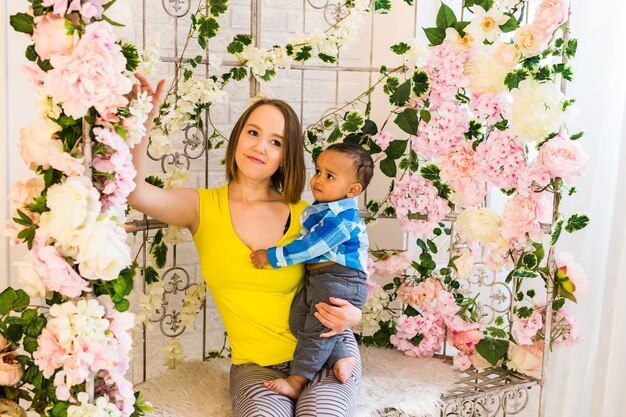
(354, 190)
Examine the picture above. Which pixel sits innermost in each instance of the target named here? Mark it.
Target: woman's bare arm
(177, 207)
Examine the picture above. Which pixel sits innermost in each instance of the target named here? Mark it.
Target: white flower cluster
(150, 301)
(194, 298)
(172, 353)
(139, 108)
(151, 55)
(373, 312)
(102, 408)
(175, 177)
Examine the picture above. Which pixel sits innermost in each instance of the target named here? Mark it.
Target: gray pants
(323, 396)
(313, 351)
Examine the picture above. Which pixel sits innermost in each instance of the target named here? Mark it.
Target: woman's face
(260, 146)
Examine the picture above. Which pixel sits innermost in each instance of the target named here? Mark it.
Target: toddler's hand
(259, 258)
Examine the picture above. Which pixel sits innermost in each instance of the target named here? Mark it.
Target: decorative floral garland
(76, 346)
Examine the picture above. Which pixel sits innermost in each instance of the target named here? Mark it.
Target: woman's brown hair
(290, 176)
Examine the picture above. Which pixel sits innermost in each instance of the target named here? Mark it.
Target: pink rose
(561, 157)
(529, 40)
(11, 370)
(23, 193)
(465, 341)
(526, 359)
(50, 36)
(549, 15)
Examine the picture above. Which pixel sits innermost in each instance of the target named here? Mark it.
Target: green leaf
(408, 121)
(510, 25)
(431, 246)
(160, 255)
(401, 96)
(353, 122)
(388, 167)
(430, 172)
(400, 48)
(132, 56)
(435, 36)
(235, 47)
(151, 275)
(239, 73)
(156, 181)
(513, 78)
(445, 17)
(59, 409)
(329, 59)
(30, 53)
(382, 6)
(492, 349)
(497, 333)
(396, 149)
(243, 38)
(30, 344)
(207, 28)
(334, 135)
(558, 303)
(570, 50)
(577, 135)
(539, 252)
(218, 7)
(391, 85)
(421, 83)
(22, 22)
(369, 127)
(525, 273)
(13, 300)
(556, 231)
(529, 260)
(35, 326)
(524, 312)
(576, 222)
(425, 115)
(304, 53)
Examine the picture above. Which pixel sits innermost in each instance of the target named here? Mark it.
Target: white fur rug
(390, 380)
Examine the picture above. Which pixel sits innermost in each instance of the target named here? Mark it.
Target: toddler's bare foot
(343, 368)
(290, 387)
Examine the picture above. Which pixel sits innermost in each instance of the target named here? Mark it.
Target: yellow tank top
(254, 303)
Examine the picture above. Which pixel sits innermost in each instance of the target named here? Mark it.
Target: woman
(258, 208)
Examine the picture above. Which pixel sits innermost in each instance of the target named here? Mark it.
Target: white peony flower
(537, 110)
(102, 251)
(486, 75)
(74, 206)
(28, 279)
(481, 225)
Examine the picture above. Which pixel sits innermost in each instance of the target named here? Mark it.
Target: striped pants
(324, 396)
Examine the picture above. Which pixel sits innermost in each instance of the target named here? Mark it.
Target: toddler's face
(334, 178)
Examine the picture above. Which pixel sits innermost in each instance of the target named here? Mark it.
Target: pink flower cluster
(414, 195)
(566, 330)
(88, 9)
(500, 159)
(488, 107)
(89, 336)
(458, 166)
(92, 75)
(445, 67)
(438, 310)
(382, 139)
(118, 163)
(445, 129)
(56, 274)
(525, 331)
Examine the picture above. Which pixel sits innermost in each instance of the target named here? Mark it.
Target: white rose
(74, 206)
(479, 224)
(102, 252)
(537, 110)
(29, 280)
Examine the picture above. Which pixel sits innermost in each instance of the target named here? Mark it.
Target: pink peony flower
(531, 179)
(392, 263)
(23, 193)
(458, 162)
(524, 331)
(414, 195)
(468, 192)
(549, 15)
(522, 216)
(92, 76)
(51, 37)
(568, 267)
(561, 157)
(49, 354)
(500, 159)
(382, 139)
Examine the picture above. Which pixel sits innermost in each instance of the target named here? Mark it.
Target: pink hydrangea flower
(91, 76)
(382, 139)
(49, 354)
(87, 8)
(562, 157)
(461, 362)
(468, 192)
(566, 327)
(445, 129)
(522, 216)
(422, 293)
(531, 179)
(500, 159)
(488, 107)
(445, 67)
(414, 195)
(524, 331)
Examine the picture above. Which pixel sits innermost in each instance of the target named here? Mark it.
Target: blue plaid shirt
(330, 232)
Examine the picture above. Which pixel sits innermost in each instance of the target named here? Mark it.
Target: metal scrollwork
(333, 12)
(176, 280)
(176, 8)
(195, 142)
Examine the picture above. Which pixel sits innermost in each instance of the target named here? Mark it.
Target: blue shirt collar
(340, 205)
